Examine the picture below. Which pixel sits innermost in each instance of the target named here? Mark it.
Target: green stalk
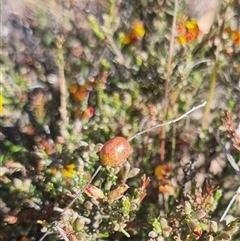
(210, 97)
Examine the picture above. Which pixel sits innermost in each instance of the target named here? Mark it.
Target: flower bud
(88, 205)
(164, 223)
(118, 192)
(195, 227)
(87, 114)
(94, 192)
(213, 226)
(78, 224)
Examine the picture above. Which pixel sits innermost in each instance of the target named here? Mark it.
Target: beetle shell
(115, 152)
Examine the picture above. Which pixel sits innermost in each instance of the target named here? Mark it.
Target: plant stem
(169, 73)
(62, 88)
(211, 92)
(82, 190)
(169, 122)
(99, 168)
(72, 202)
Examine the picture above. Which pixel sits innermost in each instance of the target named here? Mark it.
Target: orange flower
(236, 37)
(167, 189)
(198, 231)
(188, 31)
(78, 93)
(195, 227)
(161, 172)
(87, 114)
(94, 192)
(234, 34)
(73, 88)
(136, 34)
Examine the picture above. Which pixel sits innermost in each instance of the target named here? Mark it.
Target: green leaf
(95, 27)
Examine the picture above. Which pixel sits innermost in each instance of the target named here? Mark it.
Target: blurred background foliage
(106, 63)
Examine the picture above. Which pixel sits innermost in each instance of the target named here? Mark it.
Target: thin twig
(230, 204)
(73, 201)
(47, 233)
(210, 96)
(169, 122)
(235, 167)
(62, 88)
(82, 191)
(169, 73)
(228, 155)
(61, 231)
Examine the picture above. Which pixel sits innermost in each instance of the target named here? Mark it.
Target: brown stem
(169, 73)
(62, 88)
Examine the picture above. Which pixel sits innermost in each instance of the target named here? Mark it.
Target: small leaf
(18, 184)
(95, 27)
(133, 172)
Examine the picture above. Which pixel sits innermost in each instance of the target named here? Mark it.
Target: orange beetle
(115, 152)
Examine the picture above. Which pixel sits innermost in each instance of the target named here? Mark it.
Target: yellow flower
(138, 29)
(182, 40)
(70, 167)
(191, 25)
(198, 231)
(68, 171)
(53, 170)
(136, 34)
(1, 104)
(188, 31)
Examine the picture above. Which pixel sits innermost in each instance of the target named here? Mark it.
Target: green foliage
(76, 74)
